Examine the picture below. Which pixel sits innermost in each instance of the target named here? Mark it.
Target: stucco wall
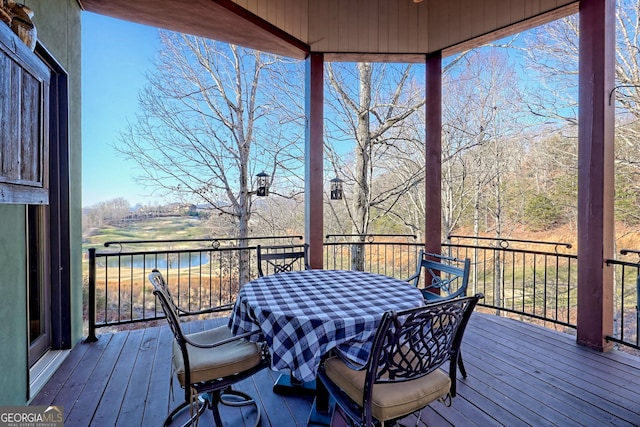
(58, 25)
(13, 309)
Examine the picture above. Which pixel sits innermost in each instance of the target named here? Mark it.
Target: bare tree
(208, 124)
(371, 103)
(470, 108)
(110, 212)
(404, 169)
(553, 55)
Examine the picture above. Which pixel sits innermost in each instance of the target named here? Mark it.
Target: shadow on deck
(518, 374)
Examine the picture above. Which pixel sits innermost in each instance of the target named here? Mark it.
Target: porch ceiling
(353, 30)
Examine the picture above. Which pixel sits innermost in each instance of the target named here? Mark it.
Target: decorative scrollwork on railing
(215, 243)
(368, 237)
(630, 251)
(505, 243)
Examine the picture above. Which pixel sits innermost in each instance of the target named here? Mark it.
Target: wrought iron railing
(201, 273)
(532, 280)
(393, 255)
(523, 277)
(626, 299)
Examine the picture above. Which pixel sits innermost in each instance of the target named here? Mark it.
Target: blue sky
(115, 56)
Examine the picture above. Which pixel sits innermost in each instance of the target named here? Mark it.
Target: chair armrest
(223, 342)
(225, 307)
(350, 363)
(431, 297)
(413, 277)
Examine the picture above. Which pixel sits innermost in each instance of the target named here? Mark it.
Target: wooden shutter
(24, 117)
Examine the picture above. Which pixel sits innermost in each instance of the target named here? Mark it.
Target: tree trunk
(363, 163)
(244, 214)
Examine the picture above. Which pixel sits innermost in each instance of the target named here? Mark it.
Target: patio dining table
(303, 314)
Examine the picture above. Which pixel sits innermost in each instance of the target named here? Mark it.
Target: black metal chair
(449, 276)
(208, 363)
(403, 373)
(281, 258)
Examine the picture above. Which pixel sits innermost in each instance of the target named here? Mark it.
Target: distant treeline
(118, 212)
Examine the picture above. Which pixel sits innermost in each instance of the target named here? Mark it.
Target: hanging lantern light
(336, 189)
(263, 184)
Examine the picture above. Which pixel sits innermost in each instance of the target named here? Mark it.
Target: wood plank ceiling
(345, 30)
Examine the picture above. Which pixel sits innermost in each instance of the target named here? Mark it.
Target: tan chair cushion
(212, 363)
(392, 400)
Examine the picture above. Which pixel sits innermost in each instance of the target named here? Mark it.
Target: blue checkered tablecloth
(304, 314)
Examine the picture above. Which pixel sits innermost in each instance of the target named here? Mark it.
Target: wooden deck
(519, 375)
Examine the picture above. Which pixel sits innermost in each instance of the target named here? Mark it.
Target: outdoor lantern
(263, 184)
(336, 189)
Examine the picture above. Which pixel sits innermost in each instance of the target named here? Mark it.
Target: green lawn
(150, 229)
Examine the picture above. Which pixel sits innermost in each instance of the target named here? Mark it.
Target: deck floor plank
(158, 397)
(136, 394)
(74, 387)
(107, 412)
(519, 374)
(551, 379)
(485, 365)
(566, 376)
(481, 409)
(100, 377)
(49, 394)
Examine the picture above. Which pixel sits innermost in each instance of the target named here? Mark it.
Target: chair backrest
(281, 258)
(448, 275)
(171, 311)
(413, 343)
(159, 283)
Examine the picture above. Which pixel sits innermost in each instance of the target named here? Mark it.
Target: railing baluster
(91, 337)
(539, 294)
